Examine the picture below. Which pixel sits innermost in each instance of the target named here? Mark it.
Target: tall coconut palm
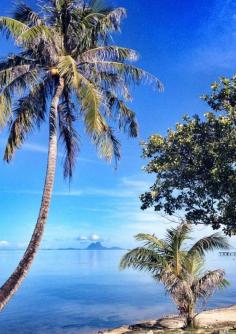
(179, 268)
(66, 71)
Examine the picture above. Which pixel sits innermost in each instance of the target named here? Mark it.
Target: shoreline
(220, 319)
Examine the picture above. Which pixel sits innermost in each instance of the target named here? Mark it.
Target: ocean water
(81, 292)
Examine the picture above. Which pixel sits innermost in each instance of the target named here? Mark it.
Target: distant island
(99, 246)
(93, 246)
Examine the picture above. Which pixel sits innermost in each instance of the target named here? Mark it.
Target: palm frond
(26, 15)
(12, 27)
(13, 61)
(67, 68)
(21, 83)
(107, 145)
(88, 95)
(112, 85)
(8, 75)
(131, 74)
(142, 259)
(112, 21)
(125, 117)
(29, 113)
(176, 236)
(104, 20)
(151, 241)
(5, 109)
(22, 33)
(68, 135)
(103, 53)
(193, 264)
(35, 33)
(209, 282)
(175, 285)
(212, 242)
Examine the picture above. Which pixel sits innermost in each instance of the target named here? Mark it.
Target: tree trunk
(12, 284)
(190, 316)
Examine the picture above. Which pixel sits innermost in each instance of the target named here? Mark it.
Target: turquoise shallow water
(80, 292)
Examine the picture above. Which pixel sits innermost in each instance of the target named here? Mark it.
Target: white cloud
(91, 237)
(82, 238)
(36, 148)
(94, 237)
(4, 243)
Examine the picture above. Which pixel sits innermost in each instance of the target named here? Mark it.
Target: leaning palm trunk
(14, 281)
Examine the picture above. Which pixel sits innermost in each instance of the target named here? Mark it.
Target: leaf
(212, 242)
(151, 241)
(68, 134)
(12, 27)
(36, 32)
(26, 15)
(125, 117)
(108, 52)
(22, 33)
(28, 114)
(112, 20)
(130, 73)
(108, 145)
(142, 259)
(88, 95)
(5, 109)
(8, 75)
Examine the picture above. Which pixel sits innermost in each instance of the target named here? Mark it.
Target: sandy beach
(223, 319)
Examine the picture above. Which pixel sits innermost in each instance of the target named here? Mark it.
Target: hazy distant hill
(99, 246)
(93, 246)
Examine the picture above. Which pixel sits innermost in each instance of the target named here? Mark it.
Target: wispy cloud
(217, 43)
(36, 148)
(125, 188)
(135, 184)
(101, 192)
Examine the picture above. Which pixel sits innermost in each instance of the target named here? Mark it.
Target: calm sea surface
(80, 292)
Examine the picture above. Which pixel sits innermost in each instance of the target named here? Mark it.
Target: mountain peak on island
(98, 246)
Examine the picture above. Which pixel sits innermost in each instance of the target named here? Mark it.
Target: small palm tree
(178, 268)
(66, 71)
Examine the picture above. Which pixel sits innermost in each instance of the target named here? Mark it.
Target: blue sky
(188, 45)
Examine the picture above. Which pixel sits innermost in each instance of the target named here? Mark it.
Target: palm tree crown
(68, 42)
(179, 268)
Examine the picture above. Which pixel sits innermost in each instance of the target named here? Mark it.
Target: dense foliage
(180, 269)
(195, 164)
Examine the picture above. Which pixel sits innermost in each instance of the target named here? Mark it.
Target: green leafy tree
(66, 71)
(195, 164)
(178, 267)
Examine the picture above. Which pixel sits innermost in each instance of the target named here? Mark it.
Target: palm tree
(178, 268)
(65, 71)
